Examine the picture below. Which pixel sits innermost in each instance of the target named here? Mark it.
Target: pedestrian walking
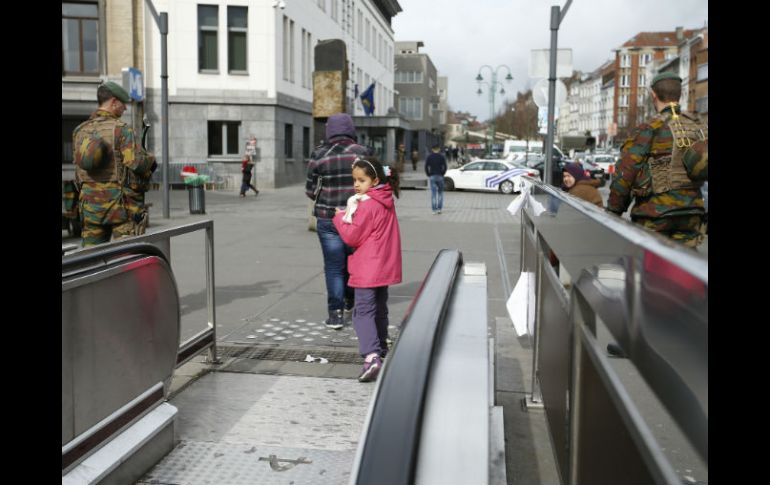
(415, 158)
(328, 184)
(663, 166)
(370, 225)
(435, 168)
(251, 153)
(246, 168)
(400, 156)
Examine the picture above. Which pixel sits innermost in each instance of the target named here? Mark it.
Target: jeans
(336, 255)
(437, 192)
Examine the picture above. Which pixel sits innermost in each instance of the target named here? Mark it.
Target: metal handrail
(205, 339)
(390, 439)
(650, 293)
(691, 261)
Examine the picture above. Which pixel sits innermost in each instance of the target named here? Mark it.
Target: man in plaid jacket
(329, 183)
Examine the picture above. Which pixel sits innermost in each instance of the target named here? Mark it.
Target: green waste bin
(197, 198)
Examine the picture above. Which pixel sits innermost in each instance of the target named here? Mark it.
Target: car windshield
(533, 162)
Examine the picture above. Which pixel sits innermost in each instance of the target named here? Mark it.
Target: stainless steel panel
(652, 295)
(457, 406)
(125, 336)
(67, 416)
(554, 360)
(605, 451)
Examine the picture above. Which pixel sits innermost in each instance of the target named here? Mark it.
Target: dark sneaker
(335, 320)
(371, 369)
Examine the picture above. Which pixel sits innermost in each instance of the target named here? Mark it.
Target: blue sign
(133, 82)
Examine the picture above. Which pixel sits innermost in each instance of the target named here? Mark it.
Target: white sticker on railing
(518, 303)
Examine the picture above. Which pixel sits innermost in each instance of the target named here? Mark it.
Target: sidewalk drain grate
(262, 353)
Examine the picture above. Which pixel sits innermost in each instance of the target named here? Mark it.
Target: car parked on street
(488, 175)
(594, 170)
(605, 161)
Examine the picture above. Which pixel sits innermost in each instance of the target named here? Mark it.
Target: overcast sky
(460, 36)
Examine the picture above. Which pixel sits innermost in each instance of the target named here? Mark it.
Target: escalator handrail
(75, 261)
(391, 437)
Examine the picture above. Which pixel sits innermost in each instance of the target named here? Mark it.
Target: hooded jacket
(375, 235)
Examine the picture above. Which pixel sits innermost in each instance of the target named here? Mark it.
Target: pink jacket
(376, 238)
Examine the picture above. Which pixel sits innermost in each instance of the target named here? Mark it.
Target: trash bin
(197, 199)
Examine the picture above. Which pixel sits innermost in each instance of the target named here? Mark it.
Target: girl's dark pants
(370, 320)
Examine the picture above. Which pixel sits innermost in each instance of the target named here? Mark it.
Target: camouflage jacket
(112, 202)
(633, 179)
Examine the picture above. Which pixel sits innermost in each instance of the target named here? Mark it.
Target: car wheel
(449, 184)
(506, 187)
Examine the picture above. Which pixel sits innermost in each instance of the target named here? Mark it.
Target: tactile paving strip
(299, 332)
(207, 463)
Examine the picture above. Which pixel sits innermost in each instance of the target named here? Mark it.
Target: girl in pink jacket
(369, 225)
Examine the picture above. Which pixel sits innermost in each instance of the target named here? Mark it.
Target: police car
(488, 175)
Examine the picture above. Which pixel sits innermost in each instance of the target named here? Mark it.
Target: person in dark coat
(246, 167)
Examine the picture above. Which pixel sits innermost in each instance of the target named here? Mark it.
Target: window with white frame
(360, 27)
(237, 29)
(410, 107)
(702, 104)
(80, 38)
(223, 138)
(208, 32)
(306, 54)
(335, 10)
(359, 79)
(703, 72)
(625, 60)
(623, 100)
(288, 49)
(408, 77)
(644, 59)
(642, 80)
(368, 34)
(624, 81)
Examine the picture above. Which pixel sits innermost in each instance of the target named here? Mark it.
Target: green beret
(117, 91)
(665, 75)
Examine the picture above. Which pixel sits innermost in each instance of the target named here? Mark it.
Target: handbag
(312, 221)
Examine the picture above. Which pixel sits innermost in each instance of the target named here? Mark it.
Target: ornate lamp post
(492, 86)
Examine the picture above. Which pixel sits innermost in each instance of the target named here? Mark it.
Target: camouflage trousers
(94, 234)
(687, 230)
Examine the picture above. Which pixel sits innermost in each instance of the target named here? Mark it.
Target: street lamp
(492, 86)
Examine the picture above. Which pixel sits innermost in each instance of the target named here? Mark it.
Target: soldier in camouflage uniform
(662, 168)
(112, 171)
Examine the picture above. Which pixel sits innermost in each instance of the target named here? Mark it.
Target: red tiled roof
(656, 39)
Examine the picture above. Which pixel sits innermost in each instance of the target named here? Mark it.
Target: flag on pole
(367, 100)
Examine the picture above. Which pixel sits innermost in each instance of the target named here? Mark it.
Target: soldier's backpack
(93, 154)
(687, 165)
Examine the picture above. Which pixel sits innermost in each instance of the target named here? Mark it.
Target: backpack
(687, 165)
(93, 151)
(93, 155)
